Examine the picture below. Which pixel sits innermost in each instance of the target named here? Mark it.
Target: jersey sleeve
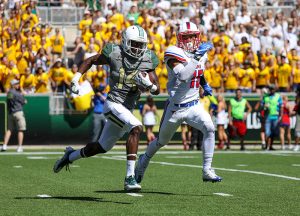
(107, 50)
(174, 53)
(154, 60)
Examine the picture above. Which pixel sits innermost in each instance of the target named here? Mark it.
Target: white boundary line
(43, 195)
(223, 169)
(223, 194)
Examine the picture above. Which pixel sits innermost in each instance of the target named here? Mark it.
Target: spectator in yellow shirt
(3, 72)
(11, 50)
(231, 76)
(99, 77)
(41, 81)
(284, 75)
(247, 78)
(57, 44)
(12, 73)
(27, 82)
(296, 76)
(86, 22)
(216, 77)
(30, 17)
(23, 59)
(162, 75)
(262, 77)
(117, 19)
(293, 57)
(70, 74)
(57, 76)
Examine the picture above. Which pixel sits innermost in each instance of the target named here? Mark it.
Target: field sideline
(255, 183)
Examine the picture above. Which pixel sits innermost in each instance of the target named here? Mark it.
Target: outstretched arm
(98, 59)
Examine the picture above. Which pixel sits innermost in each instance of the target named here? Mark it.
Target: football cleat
(64, 161)
(140, 169)
(130, 184)
(209, 175)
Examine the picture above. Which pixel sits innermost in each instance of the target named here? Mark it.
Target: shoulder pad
(174, 52)
(153, 58)
(108, 48)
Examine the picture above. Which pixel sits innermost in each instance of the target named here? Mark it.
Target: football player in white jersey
(185, 64)
(131, 65)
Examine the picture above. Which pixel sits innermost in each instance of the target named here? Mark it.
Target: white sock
(4, 147)
(130, 167)
(75, 155)
(208, 149)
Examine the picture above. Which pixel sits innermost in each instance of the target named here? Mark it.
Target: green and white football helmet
(134, 41)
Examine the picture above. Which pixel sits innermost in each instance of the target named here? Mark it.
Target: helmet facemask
(134, 42)
(189, 41)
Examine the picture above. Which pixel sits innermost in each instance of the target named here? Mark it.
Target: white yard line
(17, 166)
(134, 194)
(37, 158)
(184, 157)
(223, 194)
(242, 165)
(43, 195)
(296, 165)
(74, 166)
(223, 169)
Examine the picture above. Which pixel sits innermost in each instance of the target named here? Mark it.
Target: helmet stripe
(141, 32)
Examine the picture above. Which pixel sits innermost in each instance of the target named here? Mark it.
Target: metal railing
(61, 15)
(263, 10)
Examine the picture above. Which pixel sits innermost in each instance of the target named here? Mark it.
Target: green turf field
(255, 183)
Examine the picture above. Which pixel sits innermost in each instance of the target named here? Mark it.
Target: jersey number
(126, 79)
(195, 82)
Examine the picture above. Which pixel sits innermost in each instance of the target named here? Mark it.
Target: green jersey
(123, 69)
(238, 108)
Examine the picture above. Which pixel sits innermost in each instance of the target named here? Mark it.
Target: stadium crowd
(251, 50)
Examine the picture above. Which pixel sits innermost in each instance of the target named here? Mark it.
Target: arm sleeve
(185, 72)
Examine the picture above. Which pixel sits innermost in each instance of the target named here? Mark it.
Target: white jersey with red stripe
(182, 92)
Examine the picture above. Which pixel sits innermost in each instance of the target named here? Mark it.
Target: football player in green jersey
(131, 66)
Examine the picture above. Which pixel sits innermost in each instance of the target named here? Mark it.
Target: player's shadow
(150, 192)
(141, 192)
(85, 199)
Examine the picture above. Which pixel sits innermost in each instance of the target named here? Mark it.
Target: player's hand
(202, 49)
(143, 79)
(75, 83)
(207, 89)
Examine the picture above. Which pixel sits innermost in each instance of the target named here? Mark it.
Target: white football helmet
(188, 37)
(134, 41)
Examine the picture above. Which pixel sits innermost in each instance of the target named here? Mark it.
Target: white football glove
(75, 83)
(144, 80)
